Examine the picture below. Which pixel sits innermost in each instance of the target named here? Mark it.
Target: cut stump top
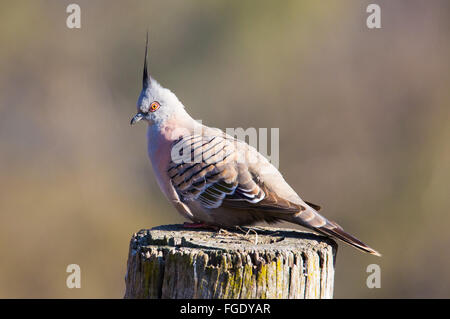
(261, 239)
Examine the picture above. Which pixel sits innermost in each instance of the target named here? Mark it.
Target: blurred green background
(363, 117)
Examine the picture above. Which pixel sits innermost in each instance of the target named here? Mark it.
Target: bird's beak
(139, 116)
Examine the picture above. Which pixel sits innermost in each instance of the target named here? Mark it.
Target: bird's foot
(200, 226)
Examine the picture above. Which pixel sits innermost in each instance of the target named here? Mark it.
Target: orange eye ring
(154, 106)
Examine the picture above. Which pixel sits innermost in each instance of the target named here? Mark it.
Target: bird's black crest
(145, 77)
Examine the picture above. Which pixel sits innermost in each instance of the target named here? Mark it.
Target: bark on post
(174, 262)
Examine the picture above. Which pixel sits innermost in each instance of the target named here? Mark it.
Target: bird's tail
(311, 219)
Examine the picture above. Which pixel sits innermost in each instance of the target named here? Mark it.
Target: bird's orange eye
(154, 106)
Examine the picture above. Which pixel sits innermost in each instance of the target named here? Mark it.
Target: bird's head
(155, 104)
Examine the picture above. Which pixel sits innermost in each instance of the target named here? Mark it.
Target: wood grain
(174, 262)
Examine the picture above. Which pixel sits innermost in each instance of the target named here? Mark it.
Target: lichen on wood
(174, 262)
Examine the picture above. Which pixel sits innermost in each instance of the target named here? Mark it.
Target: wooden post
(174, 262)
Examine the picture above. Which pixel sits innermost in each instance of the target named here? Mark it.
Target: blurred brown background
(363, 117)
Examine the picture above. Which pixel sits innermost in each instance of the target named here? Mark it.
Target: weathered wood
(174, 262)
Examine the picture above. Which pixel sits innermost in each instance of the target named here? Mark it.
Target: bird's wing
(219, 171)
(215, 170)
(315, 206)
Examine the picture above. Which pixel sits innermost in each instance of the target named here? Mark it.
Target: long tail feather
(334, 230)
(311, 219)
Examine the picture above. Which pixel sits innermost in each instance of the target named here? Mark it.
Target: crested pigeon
(216, 180)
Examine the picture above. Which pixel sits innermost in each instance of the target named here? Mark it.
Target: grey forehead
(143, 101)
